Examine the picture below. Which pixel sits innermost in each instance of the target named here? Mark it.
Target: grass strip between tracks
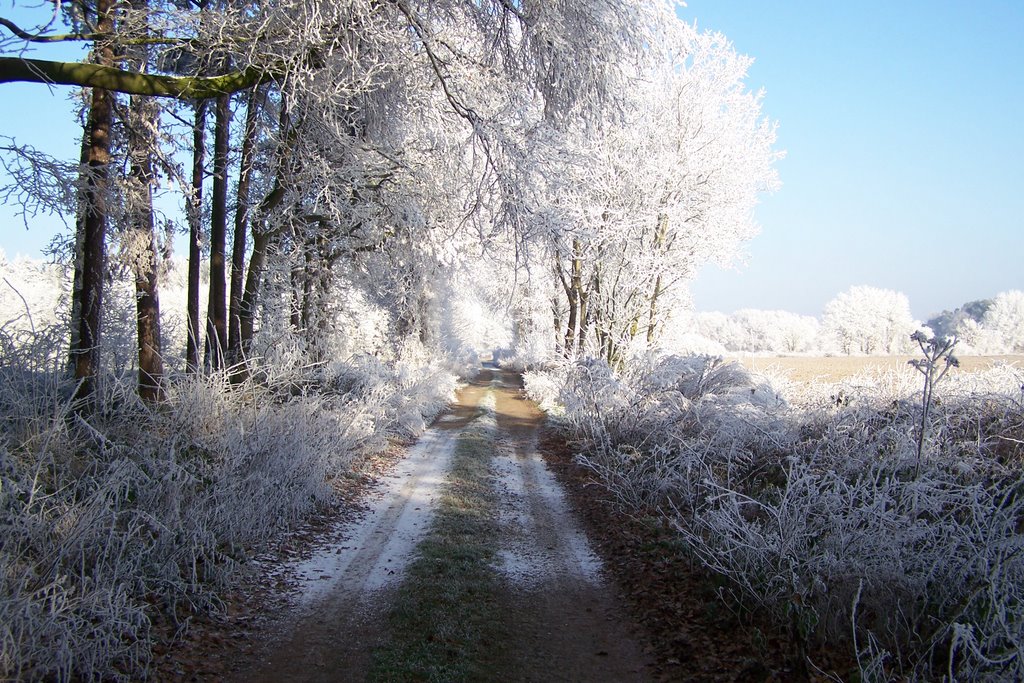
(444, 623)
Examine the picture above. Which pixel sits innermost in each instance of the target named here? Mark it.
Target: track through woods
(532, 606)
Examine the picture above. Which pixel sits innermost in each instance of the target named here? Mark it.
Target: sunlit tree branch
(13, 69)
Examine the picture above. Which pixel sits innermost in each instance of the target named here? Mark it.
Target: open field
(836, 368)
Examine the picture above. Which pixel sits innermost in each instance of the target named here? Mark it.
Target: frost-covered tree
(945, 324)
(775, 331)
(638, 201)
(1003, 324)
(720, 327)
(359, 101)
(868, 320)
(755, 331)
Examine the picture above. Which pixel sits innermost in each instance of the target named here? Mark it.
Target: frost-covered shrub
(127, 516)
(654, 399)
(109, 517)
(812, 506)
(691, 343)
(544, 386)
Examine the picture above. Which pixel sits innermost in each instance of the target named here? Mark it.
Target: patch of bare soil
(568, 624)
(694, 635)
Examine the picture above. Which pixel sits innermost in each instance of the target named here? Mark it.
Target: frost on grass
(114, 523)
(811, 503)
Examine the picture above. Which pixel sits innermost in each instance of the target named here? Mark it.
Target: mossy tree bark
(105, 76)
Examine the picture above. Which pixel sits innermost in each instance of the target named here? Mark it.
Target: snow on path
(566, 625)
(338, 619)
(540, 541)
(377, 548)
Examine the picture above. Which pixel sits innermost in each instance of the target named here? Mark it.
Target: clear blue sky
(902, 122)
(41, 117)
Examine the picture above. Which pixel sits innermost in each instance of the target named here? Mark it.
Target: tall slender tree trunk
(581, 340)
(76, 287)
(310, 264)
(143, 120)
(141, 141)
(575, 301)
(261, 237)
(258, 259)
(195, 228)
(652, 319)
(570, 326)
(604, 339)
(254, 106)
(85, 353)
(296, 278)
(216, 312)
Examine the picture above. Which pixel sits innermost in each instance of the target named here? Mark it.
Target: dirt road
(569, 625)
(562, 621)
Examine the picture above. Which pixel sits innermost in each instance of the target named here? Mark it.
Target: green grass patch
(445, 620)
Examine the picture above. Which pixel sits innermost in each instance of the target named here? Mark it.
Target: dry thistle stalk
(938, 359)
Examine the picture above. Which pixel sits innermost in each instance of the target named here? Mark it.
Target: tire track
(343, 587)
(567, 623)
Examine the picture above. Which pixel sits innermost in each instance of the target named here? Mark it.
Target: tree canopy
(591, 155)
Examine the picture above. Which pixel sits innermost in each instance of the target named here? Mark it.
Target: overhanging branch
(14, 69)
(44, 38)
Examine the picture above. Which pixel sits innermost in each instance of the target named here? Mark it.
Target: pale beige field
(836, 368)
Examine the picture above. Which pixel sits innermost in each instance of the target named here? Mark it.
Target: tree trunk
(76, 286)
(254, 106)
(577, 302)
(556, 310)
(141, 141)
(260, 242)
(195, 222)
(257, 260)
(659, 243)
(570, 326)
(216, 313)
(310, 264)
(652, 324)
(86, 352)
(296, 279)
(316, 291)
(584, 299)
(261, 237)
